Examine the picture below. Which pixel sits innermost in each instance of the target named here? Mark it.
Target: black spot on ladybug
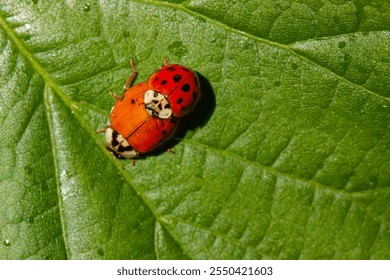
(128, 148)
(185, 87)
(156, 79)
(132, 101)
(177, 78)
(114, 141)
(163, 82)
(171, 68)
(180, 100)
(185, 69)
(194, 95)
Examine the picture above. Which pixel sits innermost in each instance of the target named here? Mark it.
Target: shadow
(202, 112)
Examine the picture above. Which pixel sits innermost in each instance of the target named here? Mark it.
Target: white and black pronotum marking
(118, 145)
(157, 105)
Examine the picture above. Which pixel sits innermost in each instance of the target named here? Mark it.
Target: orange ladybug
(140, 120)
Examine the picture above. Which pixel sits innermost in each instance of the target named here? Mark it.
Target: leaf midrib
(50, 83)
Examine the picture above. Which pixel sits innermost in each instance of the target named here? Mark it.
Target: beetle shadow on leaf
(197, 118)
(202, 112)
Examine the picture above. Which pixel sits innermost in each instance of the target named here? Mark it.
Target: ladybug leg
(113, 94)
(169, 150)
(102, 130)
(166, 61)
(132, 77)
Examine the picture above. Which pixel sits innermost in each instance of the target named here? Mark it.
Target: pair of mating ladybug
(147, 114)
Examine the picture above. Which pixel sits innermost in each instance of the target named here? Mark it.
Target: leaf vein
(263, 40)
(56, 171)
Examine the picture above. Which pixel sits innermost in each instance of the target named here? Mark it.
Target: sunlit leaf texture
(286, 157)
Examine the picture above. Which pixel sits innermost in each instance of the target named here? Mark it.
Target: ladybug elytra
(179, 84)
(147, 115)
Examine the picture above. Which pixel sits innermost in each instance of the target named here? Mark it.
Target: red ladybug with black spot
(179, 84)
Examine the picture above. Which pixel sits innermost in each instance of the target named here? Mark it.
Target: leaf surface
(286, 157)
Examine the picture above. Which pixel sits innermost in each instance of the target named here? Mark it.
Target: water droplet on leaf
(294, 66)
(347, 61)
(177, 48)
(86, 8)
(28, 169)
(100, 252)
(342, 45)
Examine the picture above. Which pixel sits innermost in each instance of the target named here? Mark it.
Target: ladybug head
(157, 105)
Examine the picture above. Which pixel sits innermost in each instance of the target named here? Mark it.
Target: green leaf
(287, 156)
